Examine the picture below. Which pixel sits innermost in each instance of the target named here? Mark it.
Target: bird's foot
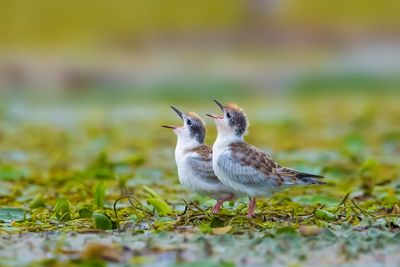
(216, 209)
(250, 215)
(217, 206)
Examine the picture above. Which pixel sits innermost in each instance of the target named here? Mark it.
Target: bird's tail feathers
(311, 181)
(306, 178)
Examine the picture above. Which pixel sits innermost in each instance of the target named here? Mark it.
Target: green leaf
(205, 228)
(368, 166)
(37, 202)
(286, 230)
(325, 215)
(99, 193)
(62, 209)
(11, 174)
(160, 205)
(85, 213)
(101, 221)
(12, 214)
(151, 192)
(355, 143)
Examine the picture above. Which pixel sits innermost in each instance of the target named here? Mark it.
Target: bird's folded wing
(247, 165)
(203, 168)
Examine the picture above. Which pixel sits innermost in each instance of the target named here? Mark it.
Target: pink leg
(217, 206)
(252, 206)
(220, 202)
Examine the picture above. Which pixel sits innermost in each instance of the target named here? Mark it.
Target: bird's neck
(224, 139)
(183, 145)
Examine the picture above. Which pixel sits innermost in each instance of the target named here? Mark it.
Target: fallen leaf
(221, 230)
(309, 230)
(101, 251)
(395, 209)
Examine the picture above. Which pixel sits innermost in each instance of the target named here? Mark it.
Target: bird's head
(233, 122)
(193, 129)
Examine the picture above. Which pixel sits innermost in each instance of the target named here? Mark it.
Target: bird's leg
(252, 205)
(217, 206)
(220, 202)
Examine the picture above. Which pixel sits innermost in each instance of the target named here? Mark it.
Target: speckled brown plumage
(248, 155)
(204, 151)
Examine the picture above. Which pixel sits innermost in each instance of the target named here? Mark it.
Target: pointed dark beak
(169, 127)
(214, 116)
(219, 105)
(177, 112)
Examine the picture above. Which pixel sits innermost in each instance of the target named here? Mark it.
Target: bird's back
(250, 170)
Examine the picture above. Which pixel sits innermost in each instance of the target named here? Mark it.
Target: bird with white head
(244, 167)
(194, 160)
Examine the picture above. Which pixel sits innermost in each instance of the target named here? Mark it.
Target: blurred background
(86, 85)
(191, 50)
(81, 79)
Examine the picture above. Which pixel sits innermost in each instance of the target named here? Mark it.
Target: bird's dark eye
(189, 122)
(228, 115)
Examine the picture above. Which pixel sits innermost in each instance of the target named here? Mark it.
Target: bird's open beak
(219, 105)
(215, 116)
(180, 114)
(169, 127)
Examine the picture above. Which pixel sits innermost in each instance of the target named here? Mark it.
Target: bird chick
(244, 167)
(194, 160)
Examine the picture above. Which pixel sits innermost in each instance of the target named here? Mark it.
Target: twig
(129, 197)
(342, 202)
(366, 213)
